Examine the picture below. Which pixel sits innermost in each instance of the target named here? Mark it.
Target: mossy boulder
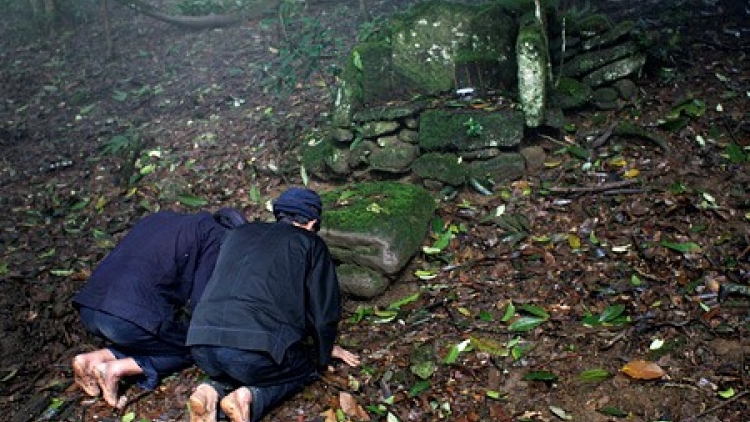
(589, 61)
(360, 281)
(503, 168)
(392, 155)
(615, 70)
(377, 225)
(443, 168)
(569, 93)
(323, 159)
(533, 63)
(430, 49)
(451, 130)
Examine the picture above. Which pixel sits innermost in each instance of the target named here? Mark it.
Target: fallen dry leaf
(351, 408)
(643, 370)
(329, 415)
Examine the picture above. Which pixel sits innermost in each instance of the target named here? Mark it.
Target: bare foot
(203, 404)
(83, 376)
(108, 383)
(237, 405)
(108, 375)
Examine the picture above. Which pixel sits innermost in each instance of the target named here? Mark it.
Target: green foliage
(380, 316)
(683, 113)
(594, 375)
(456, 350)
(684, 247)
(736, 153)
(443, 235)
(611, 316)
(123, 144)
(192, 201)
(371, 29)
(473, 128)
(612, 411)
(545, 376)
(514, 228)
(303, 45)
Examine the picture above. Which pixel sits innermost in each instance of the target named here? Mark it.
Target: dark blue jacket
(162, 265)
(274, 285)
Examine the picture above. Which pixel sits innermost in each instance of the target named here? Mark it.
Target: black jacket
(161, 265)
(157, 272)
(274, 285)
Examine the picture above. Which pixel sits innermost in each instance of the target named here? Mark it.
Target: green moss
(445, 131)
(441, 130)
(314, 155)
(570, 93)
(363, 207)
(532, 57)
(586, 62)
(445, 168)
(368, 70)
(591, 24)
(425, 43)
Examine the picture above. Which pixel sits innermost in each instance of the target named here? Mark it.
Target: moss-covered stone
(390, 112)
(605, 98)
(487, 58)
(425, 42)
(620, 30)
(591, 24)
(554, 117)
(361, 282)
(445, 168)
(533, 63)
(626, 128)
(503, 168)
(570, 93)
(326, 158)
(409, 136)
(314, 156)
(626, 89)
(348, 97)
(616, 70)
(379, 128)
(420, 50)
(392, 155)
(339, 161)
(379, 225)
(451, 130)
(368, 73)
(586, 62)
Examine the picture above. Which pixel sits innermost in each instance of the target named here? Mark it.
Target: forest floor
(604, 276)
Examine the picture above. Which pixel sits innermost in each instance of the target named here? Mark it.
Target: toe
(83, 376)
(203, 404)
(107, 384)
(236, 405)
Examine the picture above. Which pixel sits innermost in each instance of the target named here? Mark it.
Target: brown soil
(198, 97)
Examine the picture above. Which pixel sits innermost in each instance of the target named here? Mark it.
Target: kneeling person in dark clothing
(274, 287)
(138, 297)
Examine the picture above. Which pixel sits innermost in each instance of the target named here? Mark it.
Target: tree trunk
(259, 7)
(107, 29)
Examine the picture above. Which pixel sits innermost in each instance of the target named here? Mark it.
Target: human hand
(348, 357)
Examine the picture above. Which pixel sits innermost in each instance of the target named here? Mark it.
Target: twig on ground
(604, 137)
(623, 191)
(594, 189)
(717, 407)
(619, 336)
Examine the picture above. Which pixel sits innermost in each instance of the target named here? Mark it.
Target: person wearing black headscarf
(268, 319)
